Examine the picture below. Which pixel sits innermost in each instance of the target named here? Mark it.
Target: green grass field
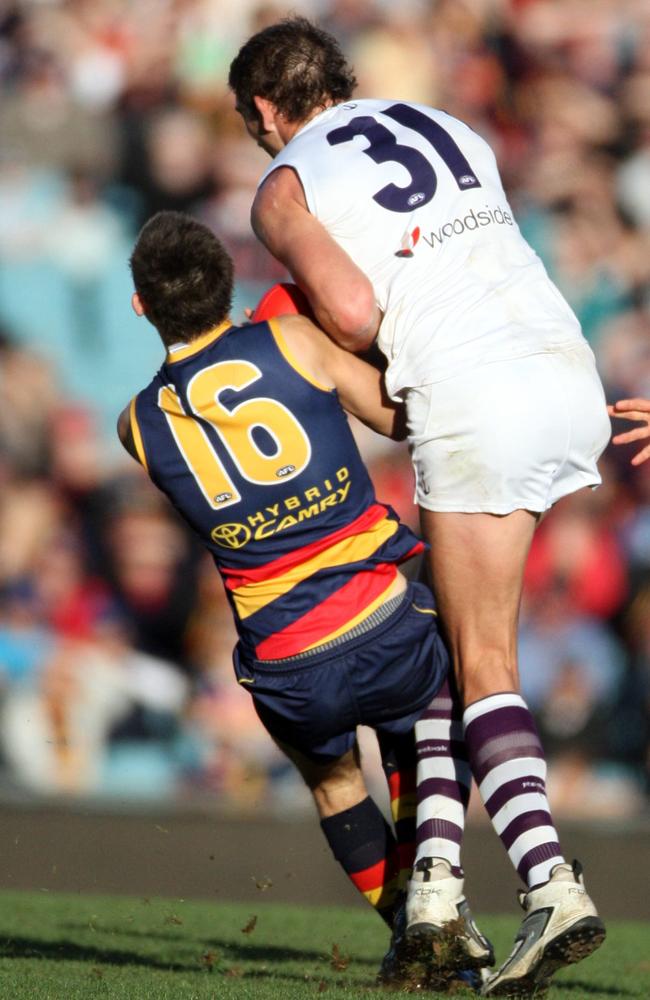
(69, 947)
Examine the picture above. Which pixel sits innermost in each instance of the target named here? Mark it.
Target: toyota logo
(231, 536)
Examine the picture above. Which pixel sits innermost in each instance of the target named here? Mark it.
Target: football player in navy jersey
(392, 218)
(244, 429)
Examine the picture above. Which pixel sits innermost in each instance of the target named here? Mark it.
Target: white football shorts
(510, 435)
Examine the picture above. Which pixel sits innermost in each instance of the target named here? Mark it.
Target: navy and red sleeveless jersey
(259, 459)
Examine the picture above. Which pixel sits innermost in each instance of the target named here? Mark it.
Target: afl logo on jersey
(468, 179)
(286, 470)
(231, 536)
(416, 198)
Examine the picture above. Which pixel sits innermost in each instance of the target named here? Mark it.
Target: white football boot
(440, 929)
(561, 927)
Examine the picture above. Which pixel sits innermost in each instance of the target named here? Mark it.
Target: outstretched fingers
(636, 410)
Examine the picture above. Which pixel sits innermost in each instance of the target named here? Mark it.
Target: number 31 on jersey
(384, 148)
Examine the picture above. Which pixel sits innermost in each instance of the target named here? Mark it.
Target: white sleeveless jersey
(415, 198)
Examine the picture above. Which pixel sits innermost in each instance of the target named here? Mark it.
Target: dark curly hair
(294, 64)
(183, 275)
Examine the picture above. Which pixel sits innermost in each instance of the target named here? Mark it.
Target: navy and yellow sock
(363, 844)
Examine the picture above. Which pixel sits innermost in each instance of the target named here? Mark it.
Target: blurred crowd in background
(115, 638)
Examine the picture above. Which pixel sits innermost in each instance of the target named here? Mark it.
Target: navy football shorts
(384, 678)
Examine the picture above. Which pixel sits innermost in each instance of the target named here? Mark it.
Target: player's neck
(173, 345)
(287, 130)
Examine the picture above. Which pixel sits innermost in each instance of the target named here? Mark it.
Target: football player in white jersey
(392, 218)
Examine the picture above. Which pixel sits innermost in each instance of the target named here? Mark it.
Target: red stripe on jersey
(332, 614)
(239, 577)
(417, 549)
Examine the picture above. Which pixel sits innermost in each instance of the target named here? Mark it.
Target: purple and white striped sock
(509, 767)
(444, 779)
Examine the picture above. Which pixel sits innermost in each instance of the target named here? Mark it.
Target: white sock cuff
(507, 699)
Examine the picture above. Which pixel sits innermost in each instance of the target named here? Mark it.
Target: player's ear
(136, 304)
(267, 112)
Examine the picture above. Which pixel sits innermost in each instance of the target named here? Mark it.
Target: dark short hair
(183, 275)
(294, 64)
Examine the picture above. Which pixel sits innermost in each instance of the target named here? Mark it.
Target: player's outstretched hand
(633, 409)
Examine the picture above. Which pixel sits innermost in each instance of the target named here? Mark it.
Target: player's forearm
(341, 295)
(351, 325)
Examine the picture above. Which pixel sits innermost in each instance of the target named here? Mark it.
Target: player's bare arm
(340, 294)
(125, 433)
(360, 387)
(638, 410)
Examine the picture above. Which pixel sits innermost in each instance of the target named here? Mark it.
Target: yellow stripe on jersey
(254, 596)
(290, 359)
(198, 344)
(136, 434)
